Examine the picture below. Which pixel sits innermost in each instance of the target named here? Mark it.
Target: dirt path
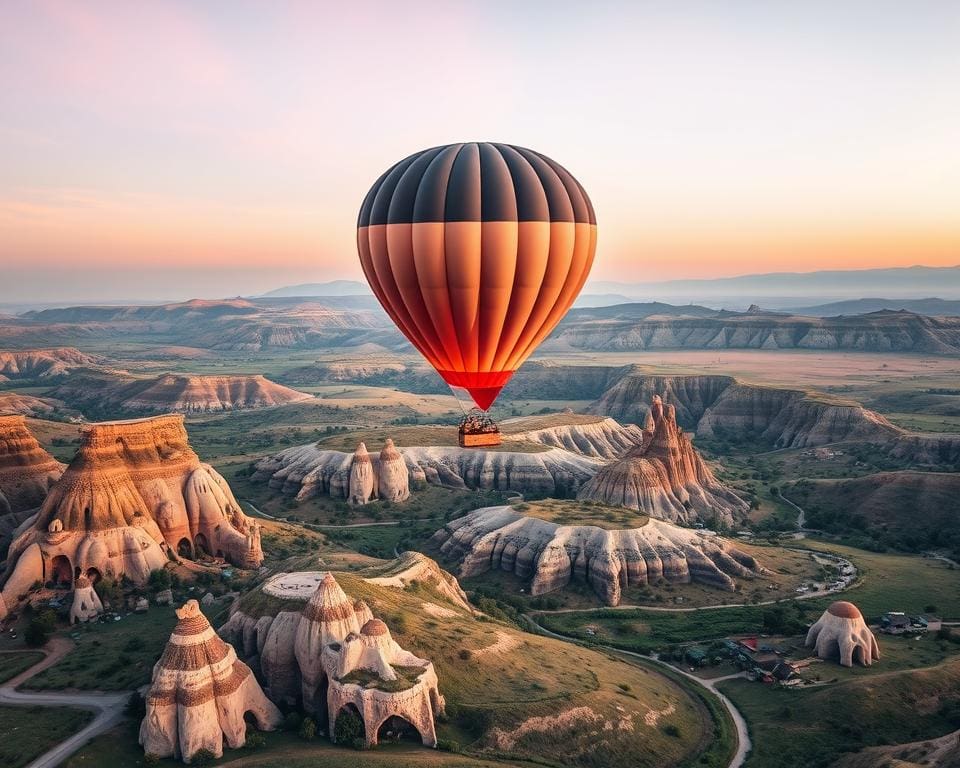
(744, 744)
(108, 706)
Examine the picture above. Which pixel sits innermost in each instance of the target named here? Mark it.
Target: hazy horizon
(162, 151)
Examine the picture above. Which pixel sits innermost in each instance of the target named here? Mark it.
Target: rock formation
(841, 631)
(310, 470)
(664, 477)
(363, 478)
(117, 391)
(26, 470)
(134, 496)
(42, 363)
(392, 475)
(86, 601)
(27, 405)
(601, 438)
(341, 656)
(200, 693)
(552, 555)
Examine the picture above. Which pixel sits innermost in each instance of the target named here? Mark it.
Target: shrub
(202, 757)
(448, 745)
(623, 686)
(348, 728)
(254, 740)
(465, 654)
(308, 729)
(671, 730)
(159, 580)
(150, 759)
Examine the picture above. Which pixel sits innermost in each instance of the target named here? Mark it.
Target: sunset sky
(167, 150)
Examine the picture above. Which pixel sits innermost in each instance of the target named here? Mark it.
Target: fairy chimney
(362, 478)
(200, 693)
(393, 474)
(842, 632)
(86, 602)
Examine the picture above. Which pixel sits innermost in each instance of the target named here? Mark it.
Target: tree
(159, 580)
(308, 729)
(349, 728)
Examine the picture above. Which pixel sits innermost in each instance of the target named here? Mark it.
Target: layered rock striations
(42, 363)
(550, 556)
(717, 405)
(334, 655)
(664, 477)
(26, 470)
(200, 694)
(598, 437)
(310, 470)
(394, 478)
(134, 496)
(842, 633)
(174, 393)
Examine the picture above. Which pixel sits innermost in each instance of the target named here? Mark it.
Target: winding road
(108, 706)
(744, 745)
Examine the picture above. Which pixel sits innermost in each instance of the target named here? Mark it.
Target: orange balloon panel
(476, 251)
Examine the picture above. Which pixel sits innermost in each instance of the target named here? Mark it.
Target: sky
(165, 150)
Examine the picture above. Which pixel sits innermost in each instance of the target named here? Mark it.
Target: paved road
(744, 744)
(108, 706)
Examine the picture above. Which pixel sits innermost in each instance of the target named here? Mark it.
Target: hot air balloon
(476, 251)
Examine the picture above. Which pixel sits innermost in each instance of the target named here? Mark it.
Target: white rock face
(363, 479)
(200, 693)
(393, 476)
(320, 648)
(600, 438)
(307, 470)
(551, 555)
(842, 632)
(86, 602)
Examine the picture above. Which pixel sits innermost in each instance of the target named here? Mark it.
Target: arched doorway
(185, 548)
(61, 572)
(349, 726)
(396, 729)
(94, 575)
(201, 546)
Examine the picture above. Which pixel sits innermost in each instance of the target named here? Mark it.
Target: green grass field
(30, 731)
(15, 662)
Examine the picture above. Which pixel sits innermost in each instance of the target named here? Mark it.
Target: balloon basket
(478, 431)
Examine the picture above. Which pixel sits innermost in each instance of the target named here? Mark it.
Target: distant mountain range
(933, 307)
(786, 290)
(332, 288)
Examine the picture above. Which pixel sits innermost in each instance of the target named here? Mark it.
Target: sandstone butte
(26, 470)
(664, 477)
(200, 693)
(134, 496)
(842, 633)
(26, 473)
(551, 556)
(336, 657)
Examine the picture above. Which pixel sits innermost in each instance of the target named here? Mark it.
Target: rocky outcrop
(719, 405)
(392, 474)
(134, 496)
(341, 656)
(601, 438)
(873, 332)
(174, 393)
(200, 694)
(664, 477)
(362, 486)
(26, 470)
(554, 472)
(412, 568)
(842, 632)
(86, 602)
(550, 556)
(42, 363)
(27, 405)
(310, 470)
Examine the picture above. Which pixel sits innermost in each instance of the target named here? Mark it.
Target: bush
(159, 580)
(150, 759)
(671, 730)
(308, 729)
(465, 654)
(448, 745)
(255, 740)
(348, 728)
(40, 627)
(202, 757)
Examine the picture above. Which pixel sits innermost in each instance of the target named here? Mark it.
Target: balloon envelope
(476, 251)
